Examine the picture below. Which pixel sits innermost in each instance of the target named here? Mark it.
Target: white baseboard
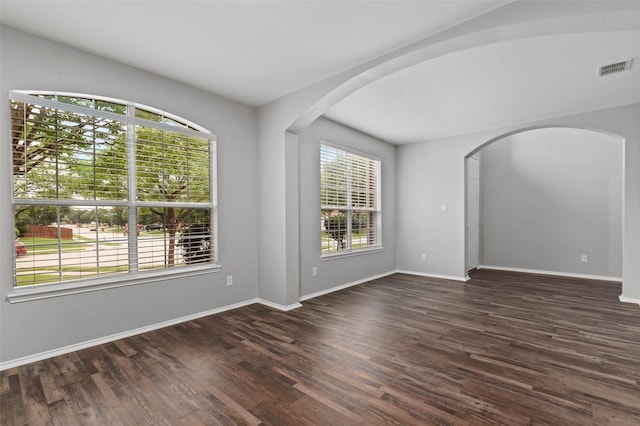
(343, 286)
(561, 274)
(117, 336)
(626, 299)
(278, 306)
(424, 274)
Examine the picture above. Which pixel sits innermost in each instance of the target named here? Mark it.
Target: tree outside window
(86, 169)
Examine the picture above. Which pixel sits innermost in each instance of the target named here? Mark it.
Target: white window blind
(350, 217)
(104, 187)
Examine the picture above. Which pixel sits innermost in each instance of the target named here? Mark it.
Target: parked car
(21, 249)
(196, 243)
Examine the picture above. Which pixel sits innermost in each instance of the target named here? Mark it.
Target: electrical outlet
(424, 257)
(229, 280)
(584, 258)
(314, 271)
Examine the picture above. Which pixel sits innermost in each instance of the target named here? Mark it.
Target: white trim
(278, 306)
(117, 336)
(24, 96)
(445, 277)
(543, 272)
(46, 291)
(349, 253)
(626, 299)
(347, 285)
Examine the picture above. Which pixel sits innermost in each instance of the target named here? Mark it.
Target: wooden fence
(42, 231)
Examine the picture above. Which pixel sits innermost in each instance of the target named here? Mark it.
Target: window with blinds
(104, 188)
(350, 217)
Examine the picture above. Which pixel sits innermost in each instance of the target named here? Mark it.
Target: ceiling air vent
(615, 68)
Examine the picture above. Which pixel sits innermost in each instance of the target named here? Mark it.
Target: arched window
(105, 188)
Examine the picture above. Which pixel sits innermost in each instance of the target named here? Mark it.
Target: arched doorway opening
(547, 200)
(282, 122)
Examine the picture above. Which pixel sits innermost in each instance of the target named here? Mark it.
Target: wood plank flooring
(502, 349)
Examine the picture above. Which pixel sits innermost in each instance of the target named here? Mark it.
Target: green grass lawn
(93, 240)
(50, 245)
(44, 274)
(34, 274)
(358, 240)
(31, 279)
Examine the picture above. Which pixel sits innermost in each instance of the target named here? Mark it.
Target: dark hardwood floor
(504, 348)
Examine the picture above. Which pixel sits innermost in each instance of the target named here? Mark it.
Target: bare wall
(550, 196)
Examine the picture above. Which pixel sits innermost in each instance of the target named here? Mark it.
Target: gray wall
(549, 196)
(432, 173)
(29, 328)
(249, 238)
(341, 270)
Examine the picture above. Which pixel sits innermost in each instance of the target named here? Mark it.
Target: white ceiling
(249, 51)
(496, 85)
(258, 51)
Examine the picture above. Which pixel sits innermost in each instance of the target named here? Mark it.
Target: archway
(553, 20)
(550, 202)
(282, 121)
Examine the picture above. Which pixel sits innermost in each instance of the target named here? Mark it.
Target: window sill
(47, 291)
(351, 253)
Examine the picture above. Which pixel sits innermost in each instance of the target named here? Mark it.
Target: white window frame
(349, 208)
(133, 277)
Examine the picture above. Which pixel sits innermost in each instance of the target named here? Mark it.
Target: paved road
(112, 249)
